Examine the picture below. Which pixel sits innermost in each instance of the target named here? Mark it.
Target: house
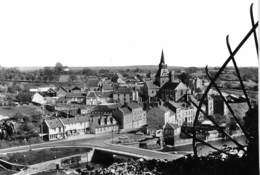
(150, 90)
(75, 89)
(60, 128)
(92, 84)
(61, 100)
(61, 91)
(184, 111)
(53, 129)
(45, 91)
(67, 110)
(196, 84)
(92, 99)
(77, 98)
(124, 95)
(157, 117)
(170, 131)
(107, 97)
(130, 116)
(106, 86)
(76, 125)
(102, 123)
(173, 91)
(104, 109)
(118, 78)
(38, 99)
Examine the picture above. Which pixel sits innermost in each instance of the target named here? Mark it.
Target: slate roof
(75, 88)
(92, 82)
(125, 110)
(134, 105)
(104, 108)
(170, 85)
(74, 120)
(173, 126)
(107, 86)
(71, 95)
(151, 85)
(92, 94)
(176, 105)
(96, 94)
(54, 123)
(123, 90)
(61, 88)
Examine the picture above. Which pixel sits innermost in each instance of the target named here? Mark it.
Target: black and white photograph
(129, 87)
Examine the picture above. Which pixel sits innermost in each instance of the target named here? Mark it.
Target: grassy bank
(38, 156)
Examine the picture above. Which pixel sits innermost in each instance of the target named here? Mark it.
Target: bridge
(100, 143)
(139, 153)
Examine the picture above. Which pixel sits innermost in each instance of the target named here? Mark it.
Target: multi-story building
(59, 128)
(130, 116)
(157, 117)
(78, 98)
(124, 95)
(103, 124)
(184, 112)
(53, 129)
(173, 91)
(102, 119)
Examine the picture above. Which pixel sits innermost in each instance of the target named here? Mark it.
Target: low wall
(80, 158)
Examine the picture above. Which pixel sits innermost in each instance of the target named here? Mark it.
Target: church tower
(162, 75)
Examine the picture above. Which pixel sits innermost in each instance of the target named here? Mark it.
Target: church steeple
(162, 75)
(162, 58)
(162, 62)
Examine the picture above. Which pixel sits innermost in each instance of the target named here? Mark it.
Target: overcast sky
(118, 32)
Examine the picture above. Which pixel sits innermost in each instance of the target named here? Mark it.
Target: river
(204, 149)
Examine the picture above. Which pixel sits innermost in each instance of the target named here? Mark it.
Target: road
(102, 142)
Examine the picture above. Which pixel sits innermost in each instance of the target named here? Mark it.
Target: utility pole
(112, 136)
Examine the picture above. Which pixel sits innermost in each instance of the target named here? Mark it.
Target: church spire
(162, 58)
(162, 75)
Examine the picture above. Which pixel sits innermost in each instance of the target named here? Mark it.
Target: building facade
(130, 116)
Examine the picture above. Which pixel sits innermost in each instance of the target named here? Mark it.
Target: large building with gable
(165, 86)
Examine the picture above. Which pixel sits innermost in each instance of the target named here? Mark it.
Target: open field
(42, 155)
(25, 109)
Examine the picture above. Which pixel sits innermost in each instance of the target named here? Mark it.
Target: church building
(165, 86)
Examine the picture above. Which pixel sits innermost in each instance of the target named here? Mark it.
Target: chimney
(172, 76)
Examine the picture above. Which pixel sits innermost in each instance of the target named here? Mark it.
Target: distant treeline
(53, 73)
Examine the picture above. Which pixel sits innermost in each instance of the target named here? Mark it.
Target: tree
(190, 70)
(73, 77)
(24, 97)
(48, 74)
(28, 127)
(13, 89)
(103, 71)
(58, 68)
(184, 77)
(87, 71)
